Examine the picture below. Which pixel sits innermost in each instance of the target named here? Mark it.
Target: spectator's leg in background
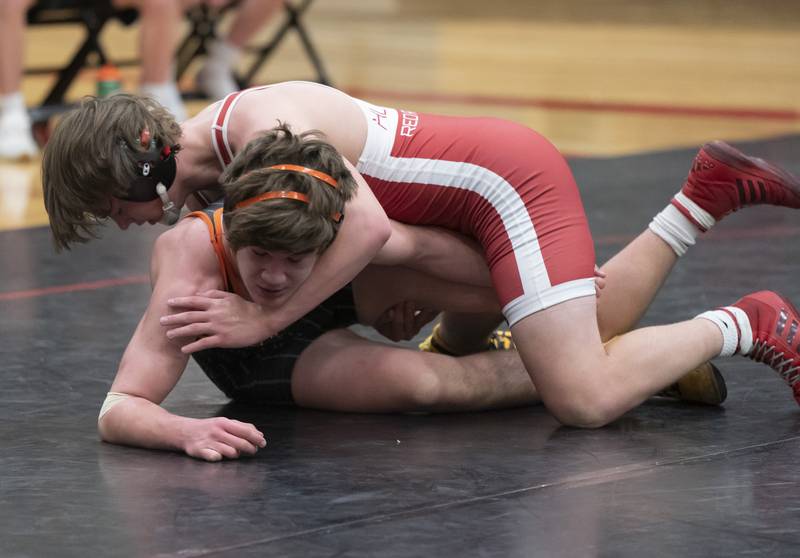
(216, 77)
(16, 139)
(160, 23)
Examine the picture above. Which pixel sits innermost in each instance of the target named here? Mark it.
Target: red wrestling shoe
(723, 180)
(773, 338)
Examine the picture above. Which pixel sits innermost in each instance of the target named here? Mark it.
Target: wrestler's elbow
(105, 423)
(382, 233)
(105, 429)
(375, 229)
(114, 416)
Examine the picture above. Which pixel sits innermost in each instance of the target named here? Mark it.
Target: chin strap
(171, 213)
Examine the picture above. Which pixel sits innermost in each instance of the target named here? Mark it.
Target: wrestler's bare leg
(341, 371)
(633, 278)
(586, 384)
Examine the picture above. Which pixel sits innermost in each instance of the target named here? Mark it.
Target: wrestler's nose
(273, 277)
(122, 221)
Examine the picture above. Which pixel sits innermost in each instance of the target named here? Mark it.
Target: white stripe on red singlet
(376, 161)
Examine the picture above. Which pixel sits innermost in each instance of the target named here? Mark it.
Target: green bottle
(109, 80)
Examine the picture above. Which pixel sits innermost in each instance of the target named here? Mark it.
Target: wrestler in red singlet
(492, 179)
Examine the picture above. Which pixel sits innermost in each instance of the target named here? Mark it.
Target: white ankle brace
(737, 335)
(675, 229)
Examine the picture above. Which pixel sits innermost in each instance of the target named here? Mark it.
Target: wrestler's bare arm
(437, 252)
(183, 263)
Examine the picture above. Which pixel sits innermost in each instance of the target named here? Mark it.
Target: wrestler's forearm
(141, 423)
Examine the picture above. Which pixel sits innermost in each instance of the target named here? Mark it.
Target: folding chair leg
(194, 44)
(68, 74)
(293, 11)
(322, 75)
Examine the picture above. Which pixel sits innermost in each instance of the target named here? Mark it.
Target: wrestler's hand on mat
(214, 438)
(218, 319)
(403, 321)
(599, 280)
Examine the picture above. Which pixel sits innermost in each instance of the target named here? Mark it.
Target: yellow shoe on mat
(704, 384)
(499, 340)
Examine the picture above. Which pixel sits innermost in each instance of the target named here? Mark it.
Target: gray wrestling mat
(665, 480)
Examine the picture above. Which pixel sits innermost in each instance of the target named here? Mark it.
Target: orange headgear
(337, 217)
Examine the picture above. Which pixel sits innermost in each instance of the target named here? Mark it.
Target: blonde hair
(84, 163)
(285, 224)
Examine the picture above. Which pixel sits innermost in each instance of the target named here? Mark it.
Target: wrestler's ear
(144, 138)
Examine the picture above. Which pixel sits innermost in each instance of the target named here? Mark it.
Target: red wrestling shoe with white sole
(773, 337)
(723, 180)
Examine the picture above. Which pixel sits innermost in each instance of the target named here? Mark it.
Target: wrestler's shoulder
(188, 236)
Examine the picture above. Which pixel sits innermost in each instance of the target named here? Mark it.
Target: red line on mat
(87, 286)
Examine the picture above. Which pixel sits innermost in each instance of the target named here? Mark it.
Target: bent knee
(583, 412)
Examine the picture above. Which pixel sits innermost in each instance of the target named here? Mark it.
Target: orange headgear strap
(283, 194)
(271, 196)
(326, 178)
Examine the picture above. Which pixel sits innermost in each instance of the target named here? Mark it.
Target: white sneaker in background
(215, 82)
(168, 95)
(215, 79)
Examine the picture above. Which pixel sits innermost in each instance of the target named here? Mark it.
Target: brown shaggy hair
(285, 224)
(84, 163)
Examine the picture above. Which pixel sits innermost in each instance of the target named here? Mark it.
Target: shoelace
(763, 352)
(501, 340)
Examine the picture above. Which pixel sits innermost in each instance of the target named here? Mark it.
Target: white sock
(737, 335)
(215, 78)
(675, 229)
(224, 54)
(168, 95)
(12, 102)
